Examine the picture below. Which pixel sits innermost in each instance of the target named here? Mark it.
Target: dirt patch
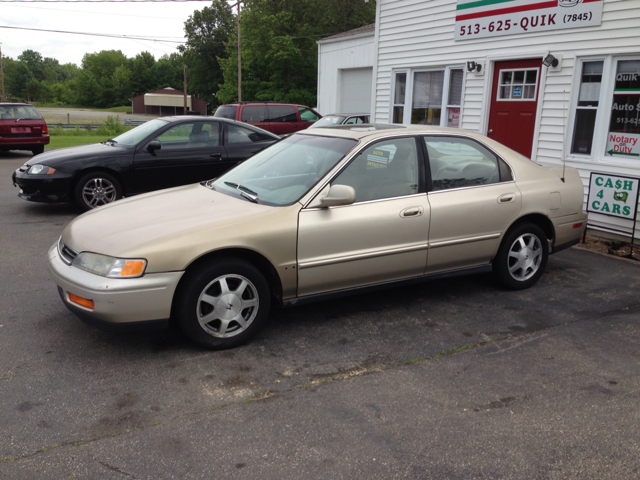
(621, 249)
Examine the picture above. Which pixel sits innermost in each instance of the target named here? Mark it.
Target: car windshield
(139, 133)
(329, 121)
(19, 112)
(284, 172)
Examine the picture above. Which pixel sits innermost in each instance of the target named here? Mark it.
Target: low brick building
(167, 101)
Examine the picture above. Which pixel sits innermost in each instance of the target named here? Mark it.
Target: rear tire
(96, 189)
(522, 257)
(222, 303)
(37, 150)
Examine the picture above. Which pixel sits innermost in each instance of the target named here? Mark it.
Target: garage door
(356, 90)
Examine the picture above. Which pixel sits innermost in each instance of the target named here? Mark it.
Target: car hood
(53, 158)
(170, 228)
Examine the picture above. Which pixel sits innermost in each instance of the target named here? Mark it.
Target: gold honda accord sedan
(321, 213)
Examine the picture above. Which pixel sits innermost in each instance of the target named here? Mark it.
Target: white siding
(334, 57)
(420, 33)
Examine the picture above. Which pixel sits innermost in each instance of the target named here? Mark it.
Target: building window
(431, 97)
(399, 97)
(587, 107)
(623, 136)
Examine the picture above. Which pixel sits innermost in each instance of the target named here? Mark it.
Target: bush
(111, 128)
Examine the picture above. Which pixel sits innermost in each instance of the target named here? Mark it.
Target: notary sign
(613, 195)
(493, 18)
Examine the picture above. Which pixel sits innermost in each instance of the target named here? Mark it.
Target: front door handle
(412, 212)
(216, 155)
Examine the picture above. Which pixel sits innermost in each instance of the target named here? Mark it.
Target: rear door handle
(216, 155)
(507, 198)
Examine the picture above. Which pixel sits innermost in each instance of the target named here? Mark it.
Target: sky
(161, 21)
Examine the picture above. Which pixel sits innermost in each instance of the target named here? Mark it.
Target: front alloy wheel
(222, 303)
(96, 189)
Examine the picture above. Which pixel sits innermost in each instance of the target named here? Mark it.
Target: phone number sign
(493, 18)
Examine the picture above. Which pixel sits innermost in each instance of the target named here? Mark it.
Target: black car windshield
(284, 172)
(139, 133)
(19, 112)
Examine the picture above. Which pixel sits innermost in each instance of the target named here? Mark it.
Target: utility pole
(2, 74)
(239, 58)
(185, 88)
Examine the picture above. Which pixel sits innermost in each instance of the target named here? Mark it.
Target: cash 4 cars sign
(493, 18)
(613, 195)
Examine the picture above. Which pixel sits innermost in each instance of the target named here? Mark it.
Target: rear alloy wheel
(96, 189)
(222, 304)
(522, 257)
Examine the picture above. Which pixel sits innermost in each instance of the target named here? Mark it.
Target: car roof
(374, 130)
(14, 104)
(204, 118)
(346, 114)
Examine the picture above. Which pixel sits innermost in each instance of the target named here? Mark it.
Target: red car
(22, 128)
(278, 118)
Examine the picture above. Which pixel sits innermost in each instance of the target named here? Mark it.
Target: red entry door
(512, 114)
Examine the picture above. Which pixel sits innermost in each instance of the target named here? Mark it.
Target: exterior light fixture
(550, 61)
(474, 67)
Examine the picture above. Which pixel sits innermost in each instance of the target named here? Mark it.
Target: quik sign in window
(613, 195)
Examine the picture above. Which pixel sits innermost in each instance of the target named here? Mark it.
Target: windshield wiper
(244, 191)
(111, 141)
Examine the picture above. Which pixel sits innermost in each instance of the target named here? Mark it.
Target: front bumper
(119, 304)
(43, 188)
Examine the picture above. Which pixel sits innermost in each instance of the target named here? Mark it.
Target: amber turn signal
(132, 268)
(81, 301)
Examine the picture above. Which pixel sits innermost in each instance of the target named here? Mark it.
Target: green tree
(142, 77)
(279, 50)
(207, 31)
(167, 71)
(19, 77)
(95, 81)
(121, 81)
(34, 61)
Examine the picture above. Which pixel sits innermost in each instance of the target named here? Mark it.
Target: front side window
(384, 170)
(623, 137)
(139, 133)
(461, 162)
(176, 137)
(587, 107)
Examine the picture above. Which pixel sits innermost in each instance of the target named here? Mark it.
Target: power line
(85, 12)
(101, 1)
(108, 35)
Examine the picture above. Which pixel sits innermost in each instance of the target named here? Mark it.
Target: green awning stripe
(480, 3)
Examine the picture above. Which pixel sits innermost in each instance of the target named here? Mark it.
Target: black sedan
(162, 153)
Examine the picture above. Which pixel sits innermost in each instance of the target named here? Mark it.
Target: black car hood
(55, 158)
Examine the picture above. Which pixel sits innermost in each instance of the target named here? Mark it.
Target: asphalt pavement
(453, 378)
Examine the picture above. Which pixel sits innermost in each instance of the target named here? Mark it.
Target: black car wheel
(37, 150)
(522, 257)
(95, 189)
(223, 303)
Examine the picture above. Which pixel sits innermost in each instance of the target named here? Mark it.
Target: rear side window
(226, 112)
(457, 162)
(254, 113)
(237, 134)
(282, 113)
(307, 115)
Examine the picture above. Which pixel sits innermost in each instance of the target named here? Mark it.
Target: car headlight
(111, 267)
(41, 170)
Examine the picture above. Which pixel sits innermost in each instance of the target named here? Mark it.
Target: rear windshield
(19, 112)
(226, 112)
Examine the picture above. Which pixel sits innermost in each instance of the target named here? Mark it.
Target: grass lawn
(62, 141)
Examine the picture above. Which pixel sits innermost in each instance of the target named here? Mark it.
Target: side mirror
(339, 195)
(153, 146)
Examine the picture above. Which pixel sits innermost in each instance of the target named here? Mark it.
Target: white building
(478, 65)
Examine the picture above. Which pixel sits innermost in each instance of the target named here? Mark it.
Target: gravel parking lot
(85, 116)
(449, 379)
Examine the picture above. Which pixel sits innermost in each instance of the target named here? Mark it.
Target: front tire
(522, 257)
(223, 303)
(96, 189)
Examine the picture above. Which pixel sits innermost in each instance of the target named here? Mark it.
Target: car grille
(66, 253)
